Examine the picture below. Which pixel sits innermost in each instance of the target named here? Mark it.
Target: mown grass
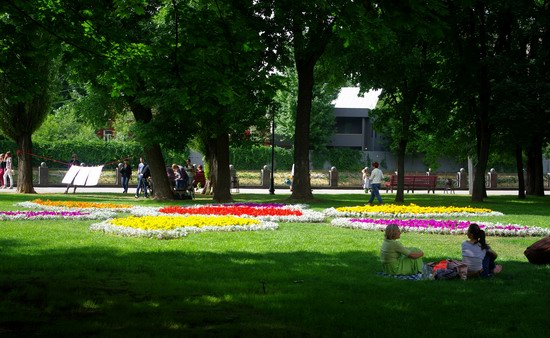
(59, 279)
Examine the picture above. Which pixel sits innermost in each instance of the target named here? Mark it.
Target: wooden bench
(413, 182)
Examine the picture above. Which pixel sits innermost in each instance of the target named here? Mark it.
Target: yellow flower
(81, 205)
(173, 222)
(413, 209)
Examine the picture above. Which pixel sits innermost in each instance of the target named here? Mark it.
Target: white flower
(109, 228)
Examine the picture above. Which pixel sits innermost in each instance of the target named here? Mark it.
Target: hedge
(96, 152)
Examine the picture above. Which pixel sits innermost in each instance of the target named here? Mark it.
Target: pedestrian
(376, 178)
(200, 178)
(8, 171)
(366, 180)
(190, 170)
(2, 167)
(74, 161)
(146, 174)
(178, 177)
(125, 174)
(140, 183)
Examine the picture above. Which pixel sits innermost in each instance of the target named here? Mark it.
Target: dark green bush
(254, 158)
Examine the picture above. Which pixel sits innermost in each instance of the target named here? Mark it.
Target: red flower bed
(230, 210)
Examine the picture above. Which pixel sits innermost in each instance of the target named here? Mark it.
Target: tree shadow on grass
(103, 291)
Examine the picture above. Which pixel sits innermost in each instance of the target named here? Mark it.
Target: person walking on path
(126, 174)
(376, 178)
(8, 171)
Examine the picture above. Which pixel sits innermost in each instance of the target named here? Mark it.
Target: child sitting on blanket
(397, 259)
(477, 255)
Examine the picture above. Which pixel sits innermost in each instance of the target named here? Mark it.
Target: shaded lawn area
(58, 278)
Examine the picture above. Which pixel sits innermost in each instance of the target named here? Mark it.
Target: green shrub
(254, 158)
(341, 158)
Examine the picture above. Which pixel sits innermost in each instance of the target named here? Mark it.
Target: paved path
(281, 192)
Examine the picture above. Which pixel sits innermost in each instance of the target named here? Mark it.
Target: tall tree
(123, 48)
(29, 62)
(399, 57)
(305, 29)
(227, 79)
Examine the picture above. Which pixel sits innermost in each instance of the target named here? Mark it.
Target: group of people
(6, 171)
(181, 176)
(477, 255)
(187, 176)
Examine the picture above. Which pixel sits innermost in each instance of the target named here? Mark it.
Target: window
(349, 125)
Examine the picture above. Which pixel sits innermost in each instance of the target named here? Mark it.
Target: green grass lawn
(57, 278)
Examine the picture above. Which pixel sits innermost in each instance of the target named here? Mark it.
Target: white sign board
(82, 176)
(71, 174)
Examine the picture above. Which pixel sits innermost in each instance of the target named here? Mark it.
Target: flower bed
(75, 215)
(408, 211)
(266, 212)
(440, 226)
(167, 227)
(69, 205)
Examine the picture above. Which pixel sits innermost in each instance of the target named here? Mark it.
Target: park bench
(413, 182)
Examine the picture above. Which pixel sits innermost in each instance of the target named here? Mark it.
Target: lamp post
(272, 179)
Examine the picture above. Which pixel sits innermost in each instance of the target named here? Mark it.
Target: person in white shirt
(376, 178)
(366, 179)
(141, 183)
(477, 255)
(8, 171)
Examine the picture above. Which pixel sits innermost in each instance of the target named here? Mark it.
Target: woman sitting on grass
(479, 257)
(397, 259)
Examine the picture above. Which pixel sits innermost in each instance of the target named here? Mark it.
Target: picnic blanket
(417, 276)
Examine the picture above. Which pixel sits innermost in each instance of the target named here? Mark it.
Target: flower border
(45, 215)
(34, 205)
(493, 229)
(109, 228)
(425, 212)
(308, 216)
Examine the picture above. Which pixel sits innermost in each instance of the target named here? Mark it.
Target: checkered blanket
(417, 276)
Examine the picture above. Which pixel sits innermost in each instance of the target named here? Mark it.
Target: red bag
(539, 252)
(440, 266)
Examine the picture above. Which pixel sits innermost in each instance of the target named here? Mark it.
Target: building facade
(353, 121)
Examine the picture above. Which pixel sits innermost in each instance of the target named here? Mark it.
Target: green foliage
(322, 124)
(95, 152)
(341, 158)
(64, 124)
(29, 63)
(254, 158)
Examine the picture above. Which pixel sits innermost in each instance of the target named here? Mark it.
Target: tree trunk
(218, 150)
(162, 189)
(153, 154)
(483, 130)
(535, 174)
(301, 183)
(519, 168)
(24, 170)
(479, 192)
(400, 194)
